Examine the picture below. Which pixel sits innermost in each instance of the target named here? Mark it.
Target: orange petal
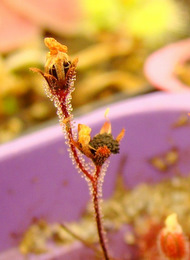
(36, 70)
(54, 46)
(106, 128)
(45, 75)
(84, 134)
(106, 113)
(120, 135)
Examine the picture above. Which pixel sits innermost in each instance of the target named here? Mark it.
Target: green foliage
(149, 20)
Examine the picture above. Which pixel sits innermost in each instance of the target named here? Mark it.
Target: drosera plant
(60, 74)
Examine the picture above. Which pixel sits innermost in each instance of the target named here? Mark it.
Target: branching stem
(94, 181)
(60, 74)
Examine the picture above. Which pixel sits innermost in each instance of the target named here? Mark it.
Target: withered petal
(106, 128)
(84, 134)
(120, 135)
(54, 46)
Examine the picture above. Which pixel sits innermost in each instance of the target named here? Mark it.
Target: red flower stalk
(60, 74)
(172, 243)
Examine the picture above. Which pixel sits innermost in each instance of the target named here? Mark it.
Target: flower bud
(172, 243)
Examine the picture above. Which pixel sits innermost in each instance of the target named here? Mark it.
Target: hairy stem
(73, 148)
(76, 157)
(96, 204)
(94, 181)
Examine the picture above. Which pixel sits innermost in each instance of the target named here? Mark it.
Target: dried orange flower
(172, 243)
(59, 70)
(101, 146)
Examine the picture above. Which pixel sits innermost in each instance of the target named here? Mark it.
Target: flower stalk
(60, 74)
(98, 217)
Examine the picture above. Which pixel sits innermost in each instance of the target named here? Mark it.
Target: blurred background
(111, 38)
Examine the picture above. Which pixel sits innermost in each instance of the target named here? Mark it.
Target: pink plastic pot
(38, 180)
(159, 68)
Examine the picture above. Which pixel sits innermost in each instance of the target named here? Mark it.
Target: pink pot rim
(142, 104)
(160, 66)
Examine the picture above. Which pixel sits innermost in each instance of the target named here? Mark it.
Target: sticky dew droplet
(48, 91)
(90, 188)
